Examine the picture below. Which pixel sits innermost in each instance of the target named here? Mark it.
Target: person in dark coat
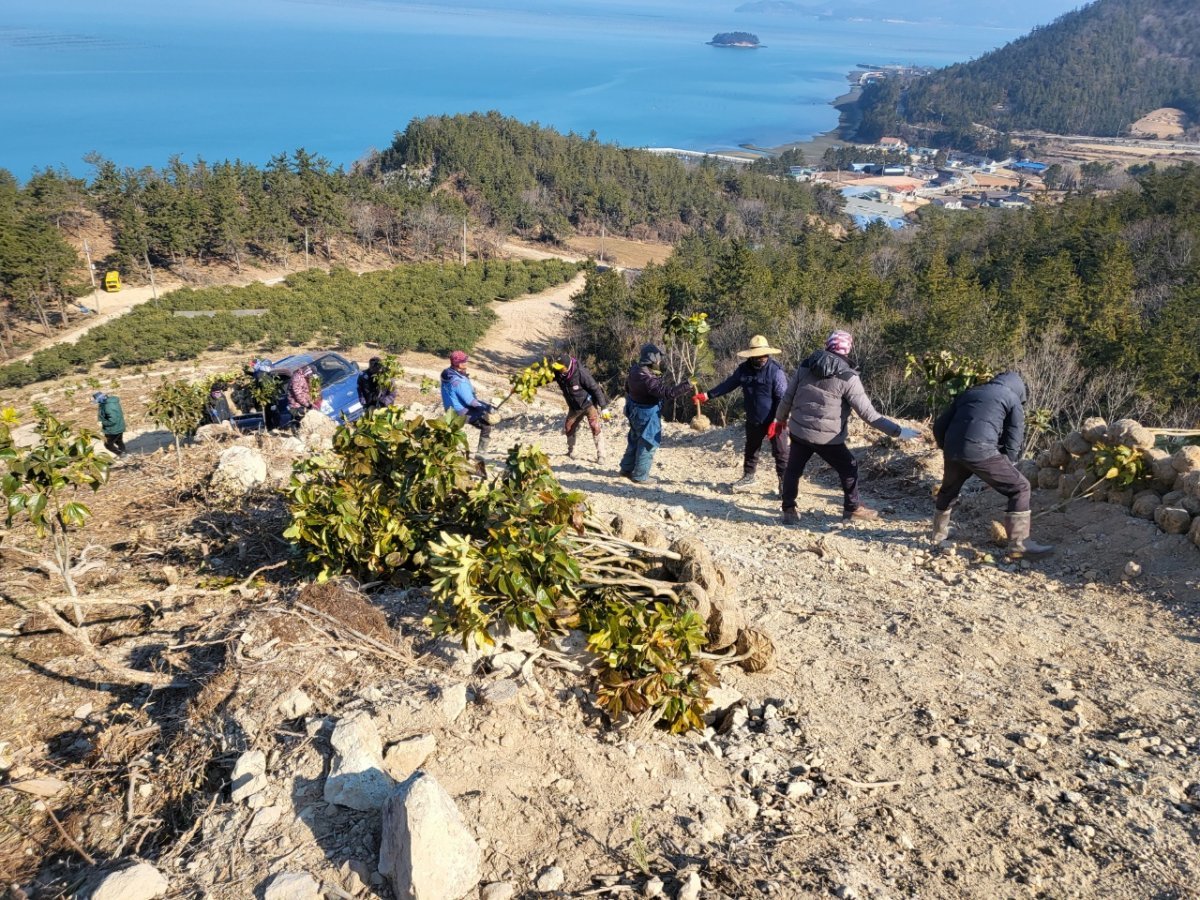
(585, 399)
(112, 421)
(217, 407)
(458, 395)
(645, 391)
(763, 383)
(816, 410)
(374, 388)
(981, 433)
(299, 394)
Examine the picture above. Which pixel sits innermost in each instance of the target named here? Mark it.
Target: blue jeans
(645, 433)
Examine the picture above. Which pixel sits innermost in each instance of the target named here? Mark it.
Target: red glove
(772, 430)
(700, 397)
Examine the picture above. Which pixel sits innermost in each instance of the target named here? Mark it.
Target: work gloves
(772, 430)
(908, 434)
(701, 397)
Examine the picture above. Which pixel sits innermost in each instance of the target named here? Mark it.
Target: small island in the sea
(742, 39)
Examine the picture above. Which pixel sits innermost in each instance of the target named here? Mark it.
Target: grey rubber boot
(484, 437)
(1019, 544)
(941, 526)
(600, 447)
(571, 443)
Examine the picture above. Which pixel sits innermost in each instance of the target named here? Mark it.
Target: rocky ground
(939, 722)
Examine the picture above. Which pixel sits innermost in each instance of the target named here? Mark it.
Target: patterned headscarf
(840, 342)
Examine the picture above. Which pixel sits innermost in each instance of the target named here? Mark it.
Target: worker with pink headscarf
(815, 409)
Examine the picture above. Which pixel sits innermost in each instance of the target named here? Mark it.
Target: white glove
(908, 434)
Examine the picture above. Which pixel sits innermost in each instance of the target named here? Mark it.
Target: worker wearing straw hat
(763, 383)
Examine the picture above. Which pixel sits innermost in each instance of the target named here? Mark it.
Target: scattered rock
(405, 757)
(207, 434)
(249, 775)
(356, 774)
(238, 470)
(1076, 444)
(653, 887)
(721, 698)
(425, 847)
(292, 886)
(675, 514)
(549, 880)
(453, 701)
(1145, 503)
(260, 826)
(499, 693)
(45, 786)
(689, 889)
(138, 882)
(1132, 569)
(498, 890)
(1048, 479)
(294, 704)
(797, 790)
(507, 663)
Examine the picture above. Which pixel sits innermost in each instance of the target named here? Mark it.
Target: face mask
(759, 361)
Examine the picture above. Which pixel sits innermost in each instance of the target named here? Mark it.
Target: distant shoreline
(838, 136)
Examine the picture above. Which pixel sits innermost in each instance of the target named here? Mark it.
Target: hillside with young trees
(498, 176)
(1093, 71)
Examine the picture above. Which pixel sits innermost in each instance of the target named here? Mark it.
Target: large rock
(1194, 533)
(317, 430)
(1145, 503)
(1159, 465)
(1186, 459)
(239, 469)
(1130, 433)
(292, 886)
(357, 778)
(1076, 444)
(425, 848)
(139, 882)
(249, 775)
(406, 756)
(1189, 483)
(1094, 429)
(1173, 519)
(1030, 467)
(1048, 479)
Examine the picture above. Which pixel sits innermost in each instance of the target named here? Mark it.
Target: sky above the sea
(138, 81)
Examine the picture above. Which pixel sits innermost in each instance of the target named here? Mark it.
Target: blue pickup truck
(339, 390)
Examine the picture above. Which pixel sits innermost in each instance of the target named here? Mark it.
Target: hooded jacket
(645, 388)
(985, 421)
(762, 389)
(579, 388)
(458, 393)
(112, 417)
(819, 398)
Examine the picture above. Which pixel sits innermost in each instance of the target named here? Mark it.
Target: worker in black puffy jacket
(981, 433)
(585, 399)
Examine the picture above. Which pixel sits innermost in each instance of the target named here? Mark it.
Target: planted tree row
(427, 306)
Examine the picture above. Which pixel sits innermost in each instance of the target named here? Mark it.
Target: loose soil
(939, 723)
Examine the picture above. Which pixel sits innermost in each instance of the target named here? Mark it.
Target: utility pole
(464, 243)
(601, 242)
(150, 269)
(306, 246)
(87, 252)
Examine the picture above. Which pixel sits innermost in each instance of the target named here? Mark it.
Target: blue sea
(139, 81)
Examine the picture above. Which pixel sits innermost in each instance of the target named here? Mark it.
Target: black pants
(115, 443)
(997, 473)
(837, 455)
(755, 435)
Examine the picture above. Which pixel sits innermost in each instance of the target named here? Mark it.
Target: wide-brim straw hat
(759, 346)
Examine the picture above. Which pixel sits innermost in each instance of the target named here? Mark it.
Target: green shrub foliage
(399, 500)
(429, 306)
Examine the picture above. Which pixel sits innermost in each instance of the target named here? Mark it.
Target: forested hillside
(497, 175)
(1093, 71)
(535, 180)
(1097, 301)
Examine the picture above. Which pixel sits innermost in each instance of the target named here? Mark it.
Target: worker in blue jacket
(763, 383)
(458, 395)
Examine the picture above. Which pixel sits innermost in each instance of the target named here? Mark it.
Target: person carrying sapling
(645, 391)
